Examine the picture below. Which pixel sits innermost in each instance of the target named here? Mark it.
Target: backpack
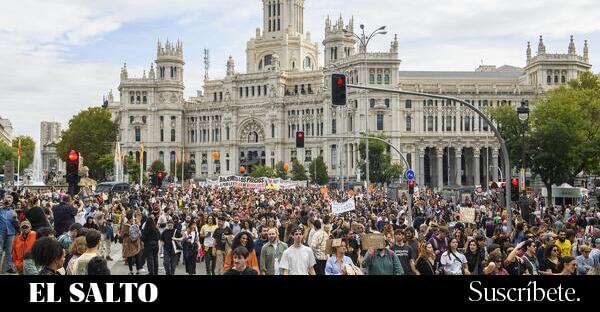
(134, 232)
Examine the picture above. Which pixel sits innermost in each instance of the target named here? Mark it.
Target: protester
(318, 244)
(339, 263)
(210, 252)
(240, 266)
(8, 229)
(132, 245)
(78, 247)
(271, 253)
(98, 266)
(452, 261)
(150, 237)
(584, 261)
(64, 215)
(22, 244)
(49, 255)
(92, 240)
(298, 259)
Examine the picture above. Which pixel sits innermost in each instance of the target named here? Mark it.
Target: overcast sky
(61, 56)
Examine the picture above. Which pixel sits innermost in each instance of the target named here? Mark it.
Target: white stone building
(6, 131)
(252, 117)
(49, 137)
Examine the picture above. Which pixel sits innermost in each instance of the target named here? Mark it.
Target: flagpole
(182, 164)
(141, 164)
(175, 174)
(19, 163)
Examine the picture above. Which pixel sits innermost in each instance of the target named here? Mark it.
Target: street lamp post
(364, 42)
(523, 112)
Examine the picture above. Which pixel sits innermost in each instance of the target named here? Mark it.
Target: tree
(107, 164)
(133, 170)
(510, 128)
(6, 153)
(187, 166)
(298, 171)
(381, 168)
(318, 171)
(157, 166)
(281, 172)
(259, 171)
(27, 151)
(92, 133)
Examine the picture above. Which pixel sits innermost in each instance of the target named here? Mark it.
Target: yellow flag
(142, 152)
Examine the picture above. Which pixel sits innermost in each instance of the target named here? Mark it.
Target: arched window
(372, 103)
(307, 63)
(387, 103)
(253, 137)
(556, 79)
(272, 130)
(408, 123)
(268, 59)
(138, 134)
(379, 121)
(172, 135)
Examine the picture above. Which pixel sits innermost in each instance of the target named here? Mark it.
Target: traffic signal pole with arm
(481, 114)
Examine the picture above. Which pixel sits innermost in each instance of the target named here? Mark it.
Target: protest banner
(338, 208)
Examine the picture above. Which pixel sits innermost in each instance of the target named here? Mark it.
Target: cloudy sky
(61, 56)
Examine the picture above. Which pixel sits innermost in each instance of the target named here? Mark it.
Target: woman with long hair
(568, 265)
(495, 265)
(210, 253)
(426, 261)
(551, 261)
(190, 248)
(78, 247)
(475, 257)
(132, 247)
(150, 236)
(454, 262)
(242, 239)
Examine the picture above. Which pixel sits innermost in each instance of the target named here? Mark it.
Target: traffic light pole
(482, 115)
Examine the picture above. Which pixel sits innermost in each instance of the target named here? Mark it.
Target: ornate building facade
(6, 131)
(49, 137)
(251, 118)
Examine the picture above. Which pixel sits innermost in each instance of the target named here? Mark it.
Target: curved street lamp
(364, 42)
(523, 113)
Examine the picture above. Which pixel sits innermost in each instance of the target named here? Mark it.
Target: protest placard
(467, 215)
(338, 208)
(374, 240)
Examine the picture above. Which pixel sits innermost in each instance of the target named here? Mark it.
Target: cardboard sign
(331, 244)
(376, 241)
(467, 215)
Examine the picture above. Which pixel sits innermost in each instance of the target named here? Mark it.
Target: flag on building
(19, 150)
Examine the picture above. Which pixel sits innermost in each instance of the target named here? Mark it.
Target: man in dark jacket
(64, 215)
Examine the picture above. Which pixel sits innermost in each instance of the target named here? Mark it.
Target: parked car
(114, 187)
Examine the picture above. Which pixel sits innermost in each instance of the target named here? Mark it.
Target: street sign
(409, 174)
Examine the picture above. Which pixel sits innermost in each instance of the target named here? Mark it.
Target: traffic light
(411, 187)
(514, 189)
(300, 139)
(159, 178)
(73, 172)
(338, 89)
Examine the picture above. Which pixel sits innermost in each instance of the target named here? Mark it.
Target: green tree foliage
(133, 170)
(92, 133)
(318, 171)
(298, 171)
(27, 151)
(511, 130)
(107, 164)
(187, 166)
(7, 153)
(381, 168)
(156, 166)
(281, 173)
(259, 171)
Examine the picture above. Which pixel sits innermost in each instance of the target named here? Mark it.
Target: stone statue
(85, 181)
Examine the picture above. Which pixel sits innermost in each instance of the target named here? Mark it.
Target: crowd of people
(237, 231)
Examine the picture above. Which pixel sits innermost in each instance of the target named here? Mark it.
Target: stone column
(476, 169)
(457, 159)
(440, 166)
(494, 164)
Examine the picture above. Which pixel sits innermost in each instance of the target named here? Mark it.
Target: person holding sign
(339, 263)
(380, 260)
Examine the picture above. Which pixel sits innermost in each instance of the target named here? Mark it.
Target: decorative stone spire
(152, 74)
(144, 74)
(541, 46)
(327, 24)
(586, 55)
(124, 74)
(351, 25)
(528, 52)
(230, 66)
(110, 96)
(394, 45)
(572, 46)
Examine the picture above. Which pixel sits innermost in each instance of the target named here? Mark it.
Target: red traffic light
(340, 81)
(73, 156)
(300, 135)
(411, 184)
(514, 182)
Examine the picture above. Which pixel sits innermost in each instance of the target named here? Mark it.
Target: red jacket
(20, 248)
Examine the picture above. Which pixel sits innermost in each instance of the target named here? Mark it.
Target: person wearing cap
(584, 261)
(22, 244)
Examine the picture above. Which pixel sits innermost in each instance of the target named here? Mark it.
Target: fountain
(36, 176)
